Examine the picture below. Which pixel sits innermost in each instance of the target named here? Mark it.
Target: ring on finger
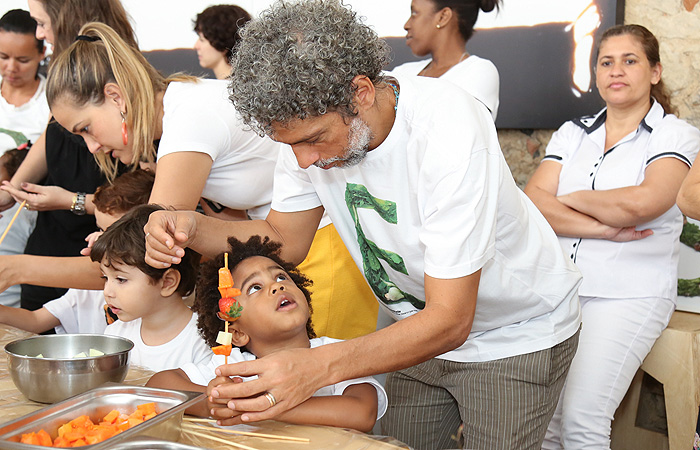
(271, 399)
(147, 234)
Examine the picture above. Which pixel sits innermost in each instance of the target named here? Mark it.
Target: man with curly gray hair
(410, 171)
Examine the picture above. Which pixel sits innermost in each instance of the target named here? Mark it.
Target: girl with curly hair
(275, 315)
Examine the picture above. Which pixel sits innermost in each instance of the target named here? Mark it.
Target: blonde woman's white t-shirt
(199, 117)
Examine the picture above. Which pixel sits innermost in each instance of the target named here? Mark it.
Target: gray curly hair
(298, 60)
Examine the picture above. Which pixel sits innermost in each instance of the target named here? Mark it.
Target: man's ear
(169, 282)
(365, 93)
(239, 338)
(113, 94)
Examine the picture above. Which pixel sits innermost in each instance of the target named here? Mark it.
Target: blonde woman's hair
(80, 73)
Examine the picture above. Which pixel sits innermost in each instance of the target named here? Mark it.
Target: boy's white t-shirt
(186, 347)
(79, 311)
(199, 117)
(19, 124)
(202, 374)
(437, 198)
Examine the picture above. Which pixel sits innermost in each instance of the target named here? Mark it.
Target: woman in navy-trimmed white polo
(608, 187)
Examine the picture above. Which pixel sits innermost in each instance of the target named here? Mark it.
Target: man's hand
(168, 233)
(291, 376)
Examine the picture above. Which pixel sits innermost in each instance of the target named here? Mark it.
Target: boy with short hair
(149, 301)
(275, 315)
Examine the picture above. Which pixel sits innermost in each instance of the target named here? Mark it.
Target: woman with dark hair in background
(441, 29)
(217, 27)
(608, 187)
(58, 176)
(23, 108)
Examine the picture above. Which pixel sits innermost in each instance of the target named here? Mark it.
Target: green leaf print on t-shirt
(357, 196)
(16, 136)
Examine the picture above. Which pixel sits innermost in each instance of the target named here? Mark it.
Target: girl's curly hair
(206, 303)
(298, 60)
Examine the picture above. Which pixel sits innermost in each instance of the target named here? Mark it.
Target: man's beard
(359, 136)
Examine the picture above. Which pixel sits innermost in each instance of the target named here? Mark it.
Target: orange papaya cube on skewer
(222, 350)
(229, 292)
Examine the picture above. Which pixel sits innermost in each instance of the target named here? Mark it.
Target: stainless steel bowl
(58, 374)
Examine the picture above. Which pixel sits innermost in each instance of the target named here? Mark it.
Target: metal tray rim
(28, 421)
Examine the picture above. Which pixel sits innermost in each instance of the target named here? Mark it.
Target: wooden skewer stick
(223, 441)
(24, 202)
(249, 433)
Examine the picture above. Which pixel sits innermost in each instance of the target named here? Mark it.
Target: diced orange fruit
(147, 408)
(222, 350)
(82, 431)
(111, 416)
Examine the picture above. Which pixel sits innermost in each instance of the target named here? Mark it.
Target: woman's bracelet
(78, 205)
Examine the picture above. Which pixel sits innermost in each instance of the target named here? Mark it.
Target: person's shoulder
(196, 88)
(478, 62)
(410, 68)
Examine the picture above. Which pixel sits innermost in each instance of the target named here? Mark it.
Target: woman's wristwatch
(78, 205)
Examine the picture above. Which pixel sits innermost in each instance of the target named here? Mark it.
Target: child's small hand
(217, 405)
(90, 239)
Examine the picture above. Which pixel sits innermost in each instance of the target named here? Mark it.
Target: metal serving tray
(146, 443)
(96, 403)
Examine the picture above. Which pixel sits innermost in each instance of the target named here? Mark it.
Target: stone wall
(676, 23)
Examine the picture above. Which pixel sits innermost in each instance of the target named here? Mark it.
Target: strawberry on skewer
(229, 310)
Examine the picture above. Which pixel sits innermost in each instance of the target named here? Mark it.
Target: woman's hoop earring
(125, 134)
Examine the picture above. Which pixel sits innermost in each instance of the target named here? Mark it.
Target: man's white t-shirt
(19, 124)
(186, 347)
(476, 75)
(199, 117)
(437, 198)
(79, 311)
(203, 373)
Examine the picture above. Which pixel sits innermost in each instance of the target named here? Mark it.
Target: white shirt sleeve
(79, 311)
(673, 138)
(560, 146)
